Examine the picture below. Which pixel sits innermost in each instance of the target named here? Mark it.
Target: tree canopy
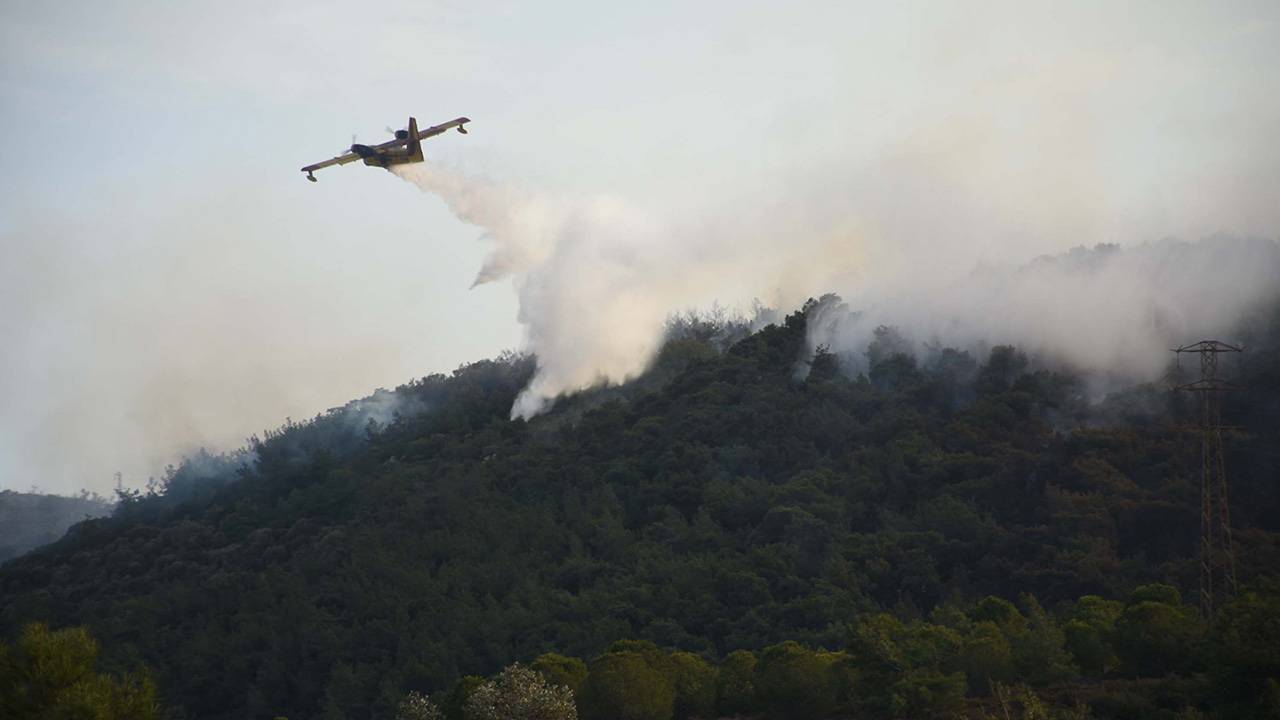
(724, 502)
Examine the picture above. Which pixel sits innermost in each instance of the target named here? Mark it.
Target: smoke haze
(1110, 311)
(597, 279)
(167, 280)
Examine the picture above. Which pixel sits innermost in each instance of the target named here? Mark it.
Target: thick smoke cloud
(168, 281)
(129, 344)
(592, 300)
(597, 278)
(1110, 311)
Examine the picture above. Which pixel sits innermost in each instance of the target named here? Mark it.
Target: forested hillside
(738, 496)
(28, 520)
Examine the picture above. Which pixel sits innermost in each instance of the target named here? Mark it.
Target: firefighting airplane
(406, 148)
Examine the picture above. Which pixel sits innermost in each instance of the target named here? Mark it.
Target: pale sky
(168, 279)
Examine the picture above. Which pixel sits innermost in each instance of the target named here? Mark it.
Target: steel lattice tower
(1217, 557)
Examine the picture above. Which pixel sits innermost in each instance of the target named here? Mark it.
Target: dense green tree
(906, 669)
(1089, 633)
(1040, 654)
(694, 680)
(558, 669)
(986, 657)
(720, 501)
(1246, 658)
(794, 681)
(735, 683)
(1157, 593)
(51, 675)
(455, 703)
(648, 649)
(927, 693)
(625, 685)
(1156, 633)
(343, 691)
(1248, 633)
(1004, 366)
(999, 611)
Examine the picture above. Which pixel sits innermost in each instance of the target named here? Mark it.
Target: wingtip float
(405, 148)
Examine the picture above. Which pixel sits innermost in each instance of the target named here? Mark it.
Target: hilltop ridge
(29, 520)
(715, 504)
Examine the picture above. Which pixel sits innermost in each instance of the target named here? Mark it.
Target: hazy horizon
(168, 279)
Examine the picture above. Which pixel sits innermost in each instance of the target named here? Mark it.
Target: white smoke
(1006, 141)
(153, 302)
(524, 226)
(597, 278)
(1111, 309)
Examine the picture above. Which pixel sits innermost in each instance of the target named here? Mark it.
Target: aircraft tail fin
(415, 143)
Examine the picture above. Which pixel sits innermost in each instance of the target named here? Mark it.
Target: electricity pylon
(1217, 557)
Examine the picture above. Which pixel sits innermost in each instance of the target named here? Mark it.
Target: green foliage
(1021, 703)
(794, 681)
(647, 649)
(1246, 659)
(695, 685)
(455, 703)
(927, 693)
(625, 685)
(1156, 634)
(907, 669)
(1005, 366)
(717, 503)
(50, 675)
(1157, 593)
(1248, 634)
(1089, 634)
(558, 669)
(986, 657)
(735, 683)
(999, 611)
(1040, 653)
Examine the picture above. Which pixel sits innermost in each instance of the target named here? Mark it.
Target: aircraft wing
(424, 134)
(437, 129)
(345, 158)
(342, 159)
